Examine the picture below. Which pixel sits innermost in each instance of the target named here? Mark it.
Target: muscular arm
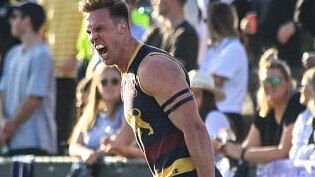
(196, 138)
(185, 117)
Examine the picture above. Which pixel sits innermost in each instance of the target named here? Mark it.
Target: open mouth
(102, 50)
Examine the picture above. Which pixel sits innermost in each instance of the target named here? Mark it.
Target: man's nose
(93, 37)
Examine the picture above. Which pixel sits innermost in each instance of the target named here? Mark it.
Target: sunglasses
(273, 81)
(114, 81)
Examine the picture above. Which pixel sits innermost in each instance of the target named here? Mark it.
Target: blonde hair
(309, 76)
(95, 103)
(266, 58)
(262, 102)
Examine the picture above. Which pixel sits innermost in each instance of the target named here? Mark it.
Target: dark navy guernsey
(162, 143)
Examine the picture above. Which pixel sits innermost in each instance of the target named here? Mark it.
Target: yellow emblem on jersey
(134, 119)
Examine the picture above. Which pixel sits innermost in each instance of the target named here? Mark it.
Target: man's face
(104, 35)
(17, 22)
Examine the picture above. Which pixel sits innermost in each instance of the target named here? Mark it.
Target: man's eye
(99, 29)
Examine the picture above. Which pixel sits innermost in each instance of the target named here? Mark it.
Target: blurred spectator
(290, 34)
(85, 51)
(7, 40)
(175, 35)
(242, 7)
(269, 55)
(154, 35)
(218, 126)
(302, 151)
(142, 14)
(227, 61)
(136, 30)
(304, 21)
(62, 28)
(82, 94)
(102, 116)
(308, 59)
(192, 13)
(124, 144)
(207, 95)
(196, 15)
(275, 29)
(28, 87)
(270, 135)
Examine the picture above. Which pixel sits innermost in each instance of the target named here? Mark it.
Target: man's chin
(107, 62)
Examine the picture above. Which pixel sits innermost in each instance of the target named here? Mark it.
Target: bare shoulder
(160, 64)
(161, 76)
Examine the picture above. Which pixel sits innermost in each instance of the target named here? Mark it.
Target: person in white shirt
(217, 123)
(302, 151)
(227, 61)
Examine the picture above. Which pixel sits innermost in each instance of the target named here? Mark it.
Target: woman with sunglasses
(102, 116)
(270, 135)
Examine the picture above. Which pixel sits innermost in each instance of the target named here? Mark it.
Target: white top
(303, 128)
(104, 127)
(302, 153)
(229, 60)
(216, 121)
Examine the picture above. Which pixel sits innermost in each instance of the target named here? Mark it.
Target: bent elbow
(283, 151)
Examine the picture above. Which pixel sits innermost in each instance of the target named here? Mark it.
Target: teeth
(100, 46)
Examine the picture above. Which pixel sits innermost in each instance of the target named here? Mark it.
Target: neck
(126, 56)
(110, 106)
(218, 38)
(29, 39)
(279, 108)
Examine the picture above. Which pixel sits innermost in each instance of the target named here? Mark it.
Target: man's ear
(28, 20)
(122, 27)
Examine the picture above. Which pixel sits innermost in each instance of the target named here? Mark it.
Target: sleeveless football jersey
(162, 143)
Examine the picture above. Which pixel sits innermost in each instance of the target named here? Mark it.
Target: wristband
(243, 153)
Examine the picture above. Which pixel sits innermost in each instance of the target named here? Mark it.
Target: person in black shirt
(269, 138)
(174, 34)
